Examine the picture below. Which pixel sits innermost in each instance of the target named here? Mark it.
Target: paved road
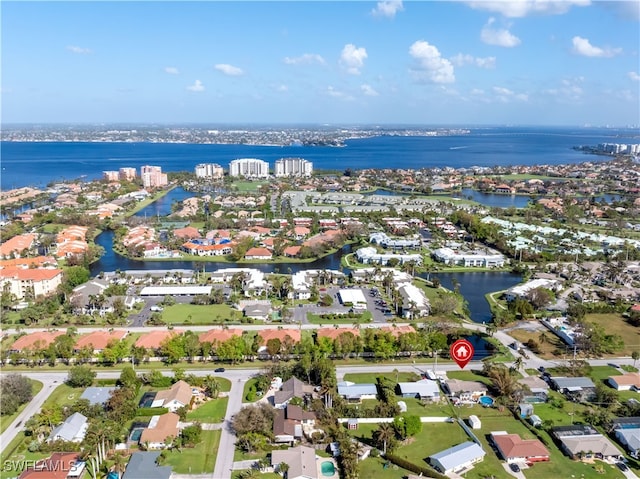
(224, 458)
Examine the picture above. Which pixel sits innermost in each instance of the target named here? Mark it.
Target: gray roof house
(142, 465)
(73, 429)
(457, 458)
(97, 395)
(536, 389)
(423, 389)
(576, 389)
(357, 392)
(630, 439)
(291, 388)
(301, 461)
(582, 441)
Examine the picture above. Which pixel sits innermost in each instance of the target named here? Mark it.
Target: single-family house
(425, 389)
(465, 391)
(457, 458)
(576, 389)
(301, 461)
(97, 395)
(291, 388)
(357, 392)
(73, 429)
(289, 423)
(258, 254)
(584, 442)
(283, 335)
(35, 341)
(217, 336)
(513, 448)
(625, 382)
(99, 340)
(629, 439)
(60, 465)
(144, 465)
(154, 339)
(257, 310)
(160, 431)
(177, 396)
(536, 390)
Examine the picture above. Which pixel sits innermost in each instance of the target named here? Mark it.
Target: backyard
(196, 460)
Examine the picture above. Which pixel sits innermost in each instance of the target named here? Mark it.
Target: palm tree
(383, 435)
(283, 467)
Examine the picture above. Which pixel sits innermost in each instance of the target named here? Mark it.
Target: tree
(128, 377)
(14, 391)
(635, 355)
(211, 386)
(191, 434)
(385, 436)
(80, 376)
(254, 418)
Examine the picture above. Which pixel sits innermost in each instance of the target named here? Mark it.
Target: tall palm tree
(383, 435)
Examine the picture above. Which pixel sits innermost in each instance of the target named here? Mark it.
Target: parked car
(514, 467)
(218, 370)
(622, 466)
(155, 308)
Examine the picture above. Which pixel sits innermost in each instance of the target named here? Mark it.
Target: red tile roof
(154, 339)
(253, 252)
(333, 333)
(17, 244)
(219, 335)
(57, 466)
(100, 339)
(511, 445)
(37, 340)
(267, 334)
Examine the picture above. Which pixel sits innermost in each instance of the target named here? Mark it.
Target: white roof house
(353, 296)
(521, 290)
(73, 429)
(457, 458)
(423, 389)
(175, 290)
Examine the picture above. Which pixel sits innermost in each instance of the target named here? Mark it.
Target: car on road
(622, 466)
(514, 467)
(218, 370)
(157, 308)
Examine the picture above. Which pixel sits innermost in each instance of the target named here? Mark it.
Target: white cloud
(196, 87)
(305, 59)
(505, 95)
(171, 70)
(387, 8)
(477, 91)
(352, 58)
(461, 60)
(368, 90)
(331, 91)
(229, 69)
(498, 36)
(634, 76)
(582, 46)
(430, 64)
(78, 50)
(282, 88)
(522, 8)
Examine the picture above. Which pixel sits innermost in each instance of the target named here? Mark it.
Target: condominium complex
(209, 170)
(125, 174)
(293, 167)
(110, 175)
(153, 177)
(249, 168)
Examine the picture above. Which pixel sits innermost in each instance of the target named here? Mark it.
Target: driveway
(224, 458)
(519, 475)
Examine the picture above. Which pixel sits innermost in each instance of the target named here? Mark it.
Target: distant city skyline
(527, 62)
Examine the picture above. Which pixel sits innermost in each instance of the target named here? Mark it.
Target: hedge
(151, 411)
(410, 466)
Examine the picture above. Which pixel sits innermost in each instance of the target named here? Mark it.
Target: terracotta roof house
(154, 339)
(60, 465)
(334, 333)
(99, 340)
(28, 263)
(301, 461)
(625, 382)
(35, 341)
(214, 336)
(175, 397)
(188, 232)
(513, 448)
(397, 331)
(160, 429)
(281, 334)
(292, 251)
(258, 253)
(16, 245)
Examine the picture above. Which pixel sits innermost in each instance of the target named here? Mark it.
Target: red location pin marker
(461, 352)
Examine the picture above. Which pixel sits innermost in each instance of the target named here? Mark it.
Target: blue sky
(533, 62)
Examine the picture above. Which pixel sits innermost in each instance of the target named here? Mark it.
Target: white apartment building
(209, 170)
(293, 167)
(127, 174)
(153, 177)
(110, 175)
(249, 168)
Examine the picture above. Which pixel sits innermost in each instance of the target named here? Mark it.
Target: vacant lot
(196, 314)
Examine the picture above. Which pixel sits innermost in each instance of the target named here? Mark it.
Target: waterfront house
(258, 254)
(457, 458)
(512, 448)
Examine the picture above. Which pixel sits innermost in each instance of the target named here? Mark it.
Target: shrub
(410, 466)
(151, 411)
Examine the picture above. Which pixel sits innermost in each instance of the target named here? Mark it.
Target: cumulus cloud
(461, 60)
(430, 65)
(368, 90)
(387, 8)
(196, 87)
(505, 95)
(498, 36)
(352, 58)
(633, 76)
(229, 69)
(305, 59)
(171, 70)
(523, 8)
(78, 50)
(582, 46)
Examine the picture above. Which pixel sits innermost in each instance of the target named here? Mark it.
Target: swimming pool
(486, 401)
(135, 434)
(328, 469)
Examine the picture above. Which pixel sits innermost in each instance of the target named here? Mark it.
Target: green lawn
(374, 467)
(210, 412)
(248, 186)
(196, 314)
(248, 387)
(5, 421)
(17, 451)
(469, 376)
(197, 460)
(225, 384)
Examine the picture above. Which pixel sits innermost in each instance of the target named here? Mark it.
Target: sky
(526, 62)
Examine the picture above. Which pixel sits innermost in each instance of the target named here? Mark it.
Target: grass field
(210, 412)
(196, 314)
(615, 324)
(377, 467)
(249, 186)
(196, 460)
(5, 421)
